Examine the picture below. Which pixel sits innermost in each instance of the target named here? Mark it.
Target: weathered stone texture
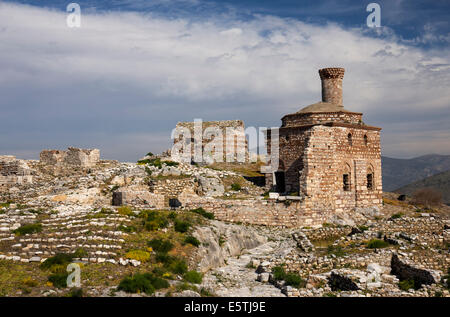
(231, 138)
(14, 171)
(327, 155)
(73, 156)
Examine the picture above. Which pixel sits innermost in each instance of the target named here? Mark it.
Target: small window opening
(349, 137)
(365, 139)
(369, 181)
(346, 182)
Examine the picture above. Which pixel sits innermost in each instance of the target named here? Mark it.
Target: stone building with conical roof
(327, 155)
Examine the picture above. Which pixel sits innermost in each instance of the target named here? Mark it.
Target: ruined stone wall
(232, 143)
(73, 156)
(82, 157)
(257, 211)
(172, 187)
(14, 171)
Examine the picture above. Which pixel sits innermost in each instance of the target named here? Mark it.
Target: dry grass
(246, 169)
(428, 197)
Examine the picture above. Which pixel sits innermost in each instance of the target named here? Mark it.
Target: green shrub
(193, 277)
(294, 280)
(106, 211)
(397, 215)
(337, 250)
(157, 162)
(406, 285)
(363, 228)
(178, 266)
(192, 240)
(157, 282)
(377, 244)
(291, 279)
(58, 280)
(160, 245)
(164, 258)
(182, 226)
(155, 220)
(62, 259)
(28, 229)
(136, 283)
(172, 263)
(127, 229)
(80, 253)
(125, 211)
(139, 255)
(149, 154)
(278, 273)
(203, 212)
(205, 293)
(236, 187)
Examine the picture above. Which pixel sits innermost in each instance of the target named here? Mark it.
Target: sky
(134, 69)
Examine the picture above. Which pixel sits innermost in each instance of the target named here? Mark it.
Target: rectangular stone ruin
(232, 133)
(73, 156)
(14, 171)
(138, 197)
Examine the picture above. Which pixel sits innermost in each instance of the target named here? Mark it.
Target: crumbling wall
(73, 156)
(257, 212)
(14, 171)
(234, 144)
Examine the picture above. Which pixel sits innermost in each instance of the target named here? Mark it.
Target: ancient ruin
(219, 141)
(327, 155)
(320, 225)
(14, 171)
(73, 156)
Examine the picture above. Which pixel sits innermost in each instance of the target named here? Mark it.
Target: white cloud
(136, 74)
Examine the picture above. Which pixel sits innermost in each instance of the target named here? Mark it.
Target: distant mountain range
(405, 176)
(439, 181)
(398, 173)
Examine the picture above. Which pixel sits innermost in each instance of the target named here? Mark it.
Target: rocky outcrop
(340, 282)
(211, 186)
(221, 241)
(405, 271)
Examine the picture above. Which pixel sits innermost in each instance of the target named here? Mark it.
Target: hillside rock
(221, 241)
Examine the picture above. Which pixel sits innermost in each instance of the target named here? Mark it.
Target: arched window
(346, 178)
(349, 138)
(365, 139)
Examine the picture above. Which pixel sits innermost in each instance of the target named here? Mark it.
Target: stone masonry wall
(257, 211)
(297, 119)
(236, 141)
(329, 156)
(73, 156)
(172, 187)
(14, 171)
